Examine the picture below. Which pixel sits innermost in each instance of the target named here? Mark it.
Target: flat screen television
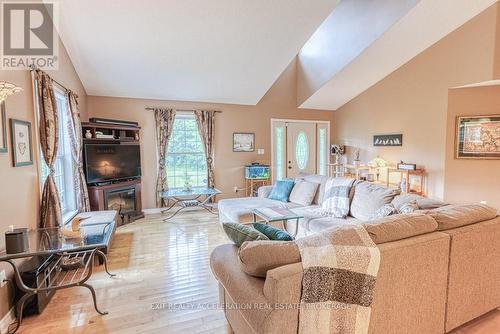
(111, 162)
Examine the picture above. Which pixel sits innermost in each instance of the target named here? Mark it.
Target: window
(63, 166)
(322, 150)
(301, 150)
(186, 163)
(280, 152)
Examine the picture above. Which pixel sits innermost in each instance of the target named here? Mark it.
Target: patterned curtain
(164, 124)
(205, 119)
(50, 210)
(76, 144)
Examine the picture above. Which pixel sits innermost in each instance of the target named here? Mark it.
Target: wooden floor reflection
(157, 263)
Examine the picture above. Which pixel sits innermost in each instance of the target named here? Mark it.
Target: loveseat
(439, 269)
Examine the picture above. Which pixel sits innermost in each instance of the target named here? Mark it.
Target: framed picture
(388, 140)
(22, 150)
(478, 137)
(243, 142)
(3, 129)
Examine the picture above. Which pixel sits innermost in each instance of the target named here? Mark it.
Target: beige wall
(279, 102)
(471, 180)
(20, 192)
(413, 100)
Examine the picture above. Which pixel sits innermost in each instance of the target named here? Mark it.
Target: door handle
(289, 167)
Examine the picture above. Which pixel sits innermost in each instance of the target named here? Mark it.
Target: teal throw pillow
(272, 232)
(281, 190)
(239, 233)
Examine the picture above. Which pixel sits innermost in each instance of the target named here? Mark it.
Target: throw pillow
(368, 198)
(336, 198)
(386, 210)
(239, 233)
(272, 232)
(303, 192)
(408, 207)
(281, 190)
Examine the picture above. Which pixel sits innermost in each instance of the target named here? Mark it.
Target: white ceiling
(227, 51)
(424, 25)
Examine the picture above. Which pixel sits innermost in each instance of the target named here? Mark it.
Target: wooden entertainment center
(121, 193)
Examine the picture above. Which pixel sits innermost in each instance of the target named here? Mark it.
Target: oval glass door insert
(301, 150)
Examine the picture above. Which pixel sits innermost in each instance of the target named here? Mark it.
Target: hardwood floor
(155, 262)
(159, 262)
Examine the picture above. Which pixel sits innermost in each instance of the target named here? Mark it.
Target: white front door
(301, 149)
(299, 146)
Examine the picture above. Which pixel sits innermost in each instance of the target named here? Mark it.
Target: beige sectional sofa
(439, 269)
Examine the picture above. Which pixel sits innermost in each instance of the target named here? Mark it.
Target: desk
(95, 236)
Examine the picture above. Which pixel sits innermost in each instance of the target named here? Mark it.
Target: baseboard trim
(9, 318)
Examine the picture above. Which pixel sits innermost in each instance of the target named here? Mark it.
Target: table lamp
(377, 163)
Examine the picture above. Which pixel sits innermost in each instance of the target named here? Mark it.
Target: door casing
(280, 120)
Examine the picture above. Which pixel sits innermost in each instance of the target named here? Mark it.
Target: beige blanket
(340, 270)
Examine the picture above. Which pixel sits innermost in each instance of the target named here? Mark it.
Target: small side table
(420, 173)
(277, 214)
(251, 185)
(51, 243)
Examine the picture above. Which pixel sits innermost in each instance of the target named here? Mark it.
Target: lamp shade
(7, 89)
(377, 163)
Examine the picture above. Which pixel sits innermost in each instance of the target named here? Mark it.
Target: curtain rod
(66, 90)
(189, 110)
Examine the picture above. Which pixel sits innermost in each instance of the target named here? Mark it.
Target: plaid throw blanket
(340, 270)
(336, 197)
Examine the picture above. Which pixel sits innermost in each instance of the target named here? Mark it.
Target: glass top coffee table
(277, 214)
(189, 198)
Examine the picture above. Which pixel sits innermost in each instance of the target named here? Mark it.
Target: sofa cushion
(408, 207)
(281, 190)
(453, 216)
(423, 203)
(303, 192)
(386, 210)
(400, 226)
(336, 199)
(257, 257)
(315, 178)
(272, 232)
(239, 233)
(368, 198)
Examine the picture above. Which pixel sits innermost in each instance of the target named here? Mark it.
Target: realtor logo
(28, 35)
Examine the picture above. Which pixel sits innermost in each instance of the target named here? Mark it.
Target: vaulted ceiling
(362, 42)
(228, 51)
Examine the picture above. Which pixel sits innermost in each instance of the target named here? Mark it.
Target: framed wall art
(388, 140)
(243, 142)
(3, 129)
(22, 150)
(478, 137)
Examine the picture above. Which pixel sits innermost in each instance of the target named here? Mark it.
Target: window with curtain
(64, 173)
(186, 163)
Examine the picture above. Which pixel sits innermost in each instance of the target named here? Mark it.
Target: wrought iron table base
(70, 278)
(194, 201)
